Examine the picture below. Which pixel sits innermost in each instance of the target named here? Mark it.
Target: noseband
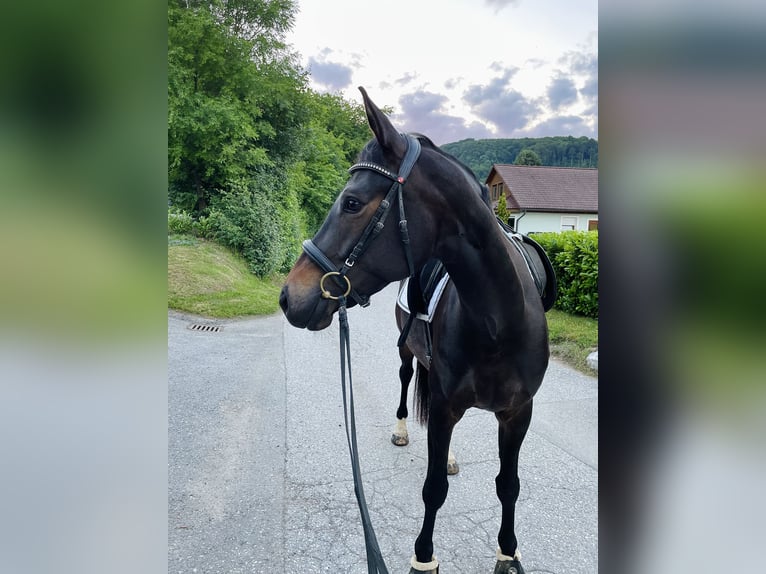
(374, 227)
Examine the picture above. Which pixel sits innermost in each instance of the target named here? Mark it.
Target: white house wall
(532, 222)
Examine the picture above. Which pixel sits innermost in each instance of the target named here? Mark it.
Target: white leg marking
(503, 557)
(424, 566)
(400, 437)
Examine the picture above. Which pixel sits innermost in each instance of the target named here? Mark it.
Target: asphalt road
(259, 472)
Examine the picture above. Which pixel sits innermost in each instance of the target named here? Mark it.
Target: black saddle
(539, 264)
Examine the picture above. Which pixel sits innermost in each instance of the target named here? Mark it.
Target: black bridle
(374, 227)
(375, 562)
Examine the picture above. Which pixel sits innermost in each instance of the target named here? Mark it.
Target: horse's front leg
(400, 436)
(441, 423)
(512, 428)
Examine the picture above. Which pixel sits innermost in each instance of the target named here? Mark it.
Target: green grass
(209, 280)
(572, 338)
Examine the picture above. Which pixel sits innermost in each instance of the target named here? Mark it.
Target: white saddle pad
(401, 300)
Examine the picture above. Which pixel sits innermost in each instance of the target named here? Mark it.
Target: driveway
(259, 471)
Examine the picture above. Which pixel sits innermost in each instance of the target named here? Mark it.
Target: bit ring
(326, 294)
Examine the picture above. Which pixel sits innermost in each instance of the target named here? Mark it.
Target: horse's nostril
(283, 299)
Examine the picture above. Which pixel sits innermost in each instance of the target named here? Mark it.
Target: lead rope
(375, 562)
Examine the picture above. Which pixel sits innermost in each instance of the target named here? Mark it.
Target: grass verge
(572, 338)
(207, 279)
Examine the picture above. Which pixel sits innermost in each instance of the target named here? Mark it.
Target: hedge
(574, 255)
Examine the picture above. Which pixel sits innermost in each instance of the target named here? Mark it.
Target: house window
(499, 190)
(592, 224)
(568, 222)
(494, 192)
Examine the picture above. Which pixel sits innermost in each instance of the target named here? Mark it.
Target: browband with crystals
(374, 167)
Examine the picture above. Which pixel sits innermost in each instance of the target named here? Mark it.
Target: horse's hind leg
(512, 428)
(400, 437)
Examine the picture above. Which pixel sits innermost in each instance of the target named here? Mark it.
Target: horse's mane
(483, 190)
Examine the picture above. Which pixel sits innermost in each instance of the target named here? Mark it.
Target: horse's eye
(351, 205)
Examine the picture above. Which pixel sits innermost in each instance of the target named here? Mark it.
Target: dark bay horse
(489, 340)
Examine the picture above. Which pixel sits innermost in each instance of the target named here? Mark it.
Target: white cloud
(475, 84)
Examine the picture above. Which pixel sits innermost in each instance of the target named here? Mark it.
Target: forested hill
(561, 151)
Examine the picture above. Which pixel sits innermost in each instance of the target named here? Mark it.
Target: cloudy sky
(456, 69)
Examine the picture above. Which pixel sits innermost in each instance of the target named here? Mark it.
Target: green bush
(179, 222)
(246, 223)
(574, 255)
(203, 227)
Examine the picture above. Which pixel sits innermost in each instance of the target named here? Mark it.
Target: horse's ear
(386, 134)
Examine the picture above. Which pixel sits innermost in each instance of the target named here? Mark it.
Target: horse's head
(381, 259)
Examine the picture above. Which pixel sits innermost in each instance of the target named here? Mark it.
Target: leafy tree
(345, 120)
(527, 157)
(567, 151)
(329, 145)
(263, 23)
(213, 121)
(252, 152)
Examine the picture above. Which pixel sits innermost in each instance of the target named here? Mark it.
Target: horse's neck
(482, 268)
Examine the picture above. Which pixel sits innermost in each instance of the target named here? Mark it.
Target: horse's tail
(422, 394)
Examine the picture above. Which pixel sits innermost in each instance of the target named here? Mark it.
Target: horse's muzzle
(283, 299)
(312, 313)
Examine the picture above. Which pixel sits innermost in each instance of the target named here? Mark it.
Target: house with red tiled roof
(542, 198)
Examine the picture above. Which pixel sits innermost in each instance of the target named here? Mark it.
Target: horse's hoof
(508, 564)
(508, 567)
(452, 468)
(400, 440)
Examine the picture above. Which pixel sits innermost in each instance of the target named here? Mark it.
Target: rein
(375, 562)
